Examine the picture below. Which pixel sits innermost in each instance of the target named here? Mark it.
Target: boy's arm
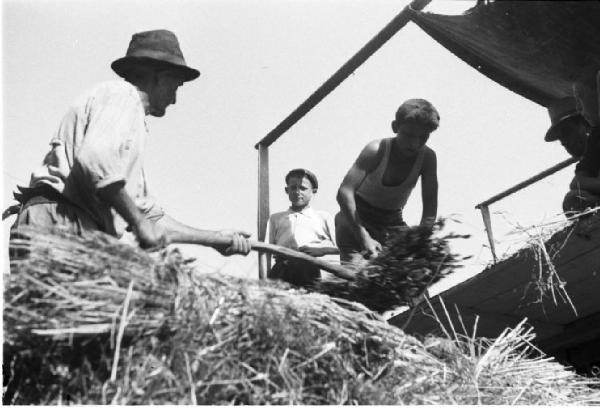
(366, 162)
(329, 229)
(429, 189)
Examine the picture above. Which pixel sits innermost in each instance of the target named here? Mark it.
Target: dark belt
(32, 195)
(39, 195)
(42, 194)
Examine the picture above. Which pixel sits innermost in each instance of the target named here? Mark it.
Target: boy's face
(411, 138)
(299, 191)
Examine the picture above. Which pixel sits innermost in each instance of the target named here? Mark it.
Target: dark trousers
(297, 273)
(577, 201)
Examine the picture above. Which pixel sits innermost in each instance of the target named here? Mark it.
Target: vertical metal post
(487, 222)
(263, 205)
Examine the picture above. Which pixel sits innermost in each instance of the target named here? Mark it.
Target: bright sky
(259, 59)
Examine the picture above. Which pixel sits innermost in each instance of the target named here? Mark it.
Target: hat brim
(123, 65)
(552, 134)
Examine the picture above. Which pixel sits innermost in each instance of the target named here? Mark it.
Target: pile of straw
(412, 259)
(89, 321)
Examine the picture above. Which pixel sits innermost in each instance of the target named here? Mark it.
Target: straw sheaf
(412, 259)
(91, 321)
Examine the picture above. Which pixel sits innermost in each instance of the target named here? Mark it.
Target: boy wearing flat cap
(301, 228)
(93, 178)
(379, 183)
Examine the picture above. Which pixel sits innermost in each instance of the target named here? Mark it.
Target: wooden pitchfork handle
(220, 242)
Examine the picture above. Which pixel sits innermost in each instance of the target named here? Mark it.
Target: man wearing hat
(567, 126)
(585, 187)
(93, 178)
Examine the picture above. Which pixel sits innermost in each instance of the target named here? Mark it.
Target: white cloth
(100, 141)
(294, 229)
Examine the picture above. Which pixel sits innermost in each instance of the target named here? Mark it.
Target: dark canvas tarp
(533, 48)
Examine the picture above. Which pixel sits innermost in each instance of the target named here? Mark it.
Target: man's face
(411, 138)
(574, 138)
(300, 191)
(164, 91)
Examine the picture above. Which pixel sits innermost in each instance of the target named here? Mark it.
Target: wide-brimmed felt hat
(157, 48)
(560, 110)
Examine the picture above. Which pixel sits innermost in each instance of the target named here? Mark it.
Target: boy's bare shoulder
(429, 153)
(374, 145)
(373, 150)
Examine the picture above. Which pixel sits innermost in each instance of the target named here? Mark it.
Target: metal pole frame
(484, 206)
(316, 97)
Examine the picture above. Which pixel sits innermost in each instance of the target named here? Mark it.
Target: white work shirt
(100, 141)
(294, 229)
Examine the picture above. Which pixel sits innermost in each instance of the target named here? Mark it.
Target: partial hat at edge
(560, 110)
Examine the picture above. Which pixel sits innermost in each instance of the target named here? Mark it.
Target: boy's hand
(312, 251)
(428, 222)
(239, 242)
(371, 246)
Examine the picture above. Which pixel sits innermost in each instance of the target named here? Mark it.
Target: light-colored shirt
(294, 229)
(100, 141)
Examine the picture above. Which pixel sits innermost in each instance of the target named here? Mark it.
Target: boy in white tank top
(379, 183)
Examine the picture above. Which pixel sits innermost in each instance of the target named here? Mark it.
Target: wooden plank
(506, 279)
(498, 290)
(580, 331)
(485, 284)
(520, 299)
(263, 205)
(583, 356)
(585, 301)
(489, 324)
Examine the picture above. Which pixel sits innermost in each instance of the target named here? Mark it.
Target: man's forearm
(179, 232)
(227, 242)
(118, 198)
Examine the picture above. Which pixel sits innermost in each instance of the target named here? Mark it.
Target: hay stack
(110, 324)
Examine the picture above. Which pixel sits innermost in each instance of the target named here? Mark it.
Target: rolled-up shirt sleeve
(148, 204)
(112, 129)
(589, 165)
